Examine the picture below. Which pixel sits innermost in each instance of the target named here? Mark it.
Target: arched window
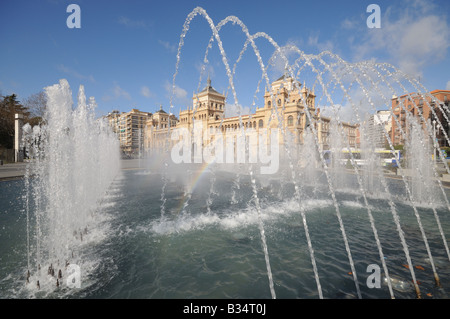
(260, 123)
(269, 104)
(290, 120)
(279, 102)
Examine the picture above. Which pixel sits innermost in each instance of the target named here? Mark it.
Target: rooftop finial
(208, 82)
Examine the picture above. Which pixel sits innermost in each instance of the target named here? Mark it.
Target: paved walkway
(17, 170)
(12, 171)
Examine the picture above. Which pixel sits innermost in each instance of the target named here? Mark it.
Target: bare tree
(36, 104)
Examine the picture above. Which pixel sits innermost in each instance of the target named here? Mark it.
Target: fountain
(73, 159)
(225, 230)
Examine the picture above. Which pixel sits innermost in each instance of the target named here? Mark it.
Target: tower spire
(208, 82)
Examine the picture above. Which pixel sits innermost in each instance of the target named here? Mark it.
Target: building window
(290, 120)
(279, 102)
(261, 123)
(269, 104)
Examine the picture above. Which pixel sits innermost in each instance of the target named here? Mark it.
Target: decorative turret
(208, 83)
(161, 110)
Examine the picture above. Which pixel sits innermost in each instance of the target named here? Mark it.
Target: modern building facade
(429, 109)
(130, 129)
(379, 126)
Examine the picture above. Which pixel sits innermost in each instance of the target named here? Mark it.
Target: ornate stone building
(284, 109)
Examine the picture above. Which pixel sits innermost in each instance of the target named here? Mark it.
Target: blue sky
(125, 51)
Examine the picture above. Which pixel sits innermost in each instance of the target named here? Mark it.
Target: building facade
(157, 128)
(130, 129)
(285, 109)
(379, 126)
(428, 109)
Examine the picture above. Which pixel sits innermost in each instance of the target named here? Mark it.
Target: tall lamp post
(434, 141)
(18, 151)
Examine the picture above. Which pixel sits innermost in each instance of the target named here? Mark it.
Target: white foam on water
(232, 219)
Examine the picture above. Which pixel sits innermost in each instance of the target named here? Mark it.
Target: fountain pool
(80, 226)
(134, 253)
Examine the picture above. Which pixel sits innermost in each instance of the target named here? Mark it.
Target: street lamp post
(434, 141)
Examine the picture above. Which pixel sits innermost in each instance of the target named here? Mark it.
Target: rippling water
(201, 250)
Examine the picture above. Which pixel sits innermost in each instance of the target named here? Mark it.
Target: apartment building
(428, 109)
(130, 129)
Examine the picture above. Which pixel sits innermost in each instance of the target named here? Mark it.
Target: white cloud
(423, 6)
(74, 73)
(313, 41)
(168, 46)
(137, 24)
(205, 69)
(355, 107)
(348, 24)
(179, 94)
(119, 92)
(412, 40)
(289, 52)
(145, 91)
(115, 93)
